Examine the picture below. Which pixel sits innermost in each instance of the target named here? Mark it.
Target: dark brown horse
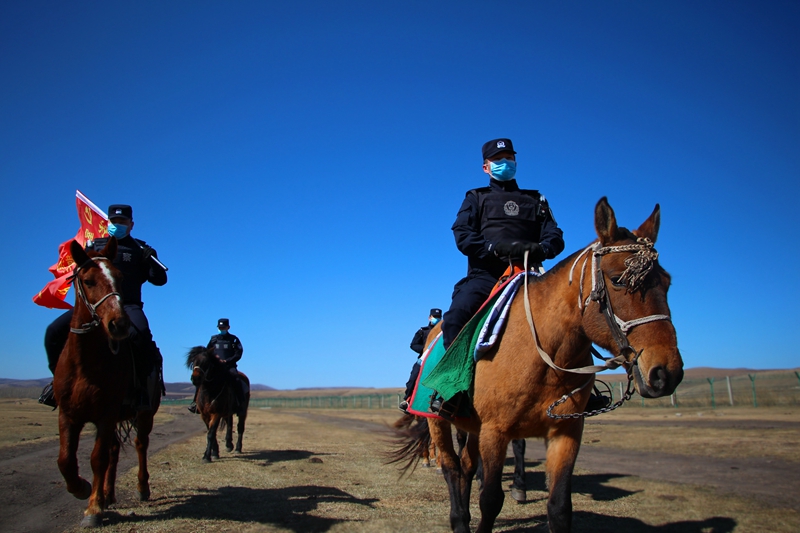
(216, 399)
(613, 294)
(93, 381)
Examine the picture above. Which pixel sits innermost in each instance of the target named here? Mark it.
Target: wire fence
(763, 389)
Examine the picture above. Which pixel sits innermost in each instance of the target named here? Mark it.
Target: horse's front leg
(144, 425)
(101, 458)
(211, 438)
(111, 472)
(229, 433)
(451, 469)
(562, 451)
(240, 430)
(492, 446)
(69, 435)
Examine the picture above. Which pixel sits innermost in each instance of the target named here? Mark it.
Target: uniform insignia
(126, 257)
(511, 208)
(501, 144)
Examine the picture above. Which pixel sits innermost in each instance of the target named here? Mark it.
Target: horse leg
(240, 430)
(426, 456)
(144, 425)
(229, 433)
(451, 469)
(492, 446)
(562, 451)
(519, 488)
(69, 435)
(101, 458)
(111, 473)
(211, 438)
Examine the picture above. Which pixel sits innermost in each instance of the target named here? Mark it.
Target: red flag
(94, 224)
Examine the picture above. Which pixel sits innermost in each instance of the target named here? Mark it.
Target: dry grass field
(323, 471)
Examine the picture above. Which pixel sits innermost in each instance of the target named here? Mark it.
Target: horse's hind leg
(493, 454)
(562, 451)
(69, 436)
(453, 475)
(111, 472)
(240, 431)
(144, 425)
(229, 433)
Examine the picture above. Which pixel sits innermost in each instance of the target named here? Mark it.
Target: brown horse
(618, 301)
(216, 399)
(92, 381)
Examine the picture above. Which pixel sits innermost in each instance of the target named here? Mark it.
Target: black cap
(120, 210)
(436, 313)
(496, 146)
(223, 323)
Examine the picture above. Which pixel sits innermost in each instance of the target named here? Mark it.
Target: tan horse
(92, 380)
(612, 294)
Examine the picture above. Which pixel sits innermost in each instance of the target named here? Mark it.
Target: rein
(95, 322)
(638, 266)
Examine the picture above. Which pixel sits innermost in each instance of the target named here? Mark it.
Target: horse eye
(89, 282)
(615, 282)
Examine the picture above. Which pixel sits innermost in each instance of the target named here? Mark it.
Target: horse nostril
(658, 378)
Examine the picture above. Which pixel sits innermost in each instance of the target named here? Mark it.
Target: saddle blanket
(447, 373)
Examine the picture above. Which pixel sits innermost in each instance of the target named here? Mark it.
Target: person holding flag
(139, 264)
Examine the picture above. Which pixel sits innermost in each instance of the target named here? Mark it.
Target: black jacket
(136, 270)
(227, 347)
(503, 212)
(418, 342)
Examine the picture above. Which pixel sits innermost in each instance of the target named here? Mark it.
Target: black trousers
(468, 296)
(55, 336)
(412, 379)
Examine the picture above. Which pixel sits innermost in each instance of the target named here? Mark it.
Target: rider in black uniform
(228, 349)
(134, 261)
(418, 345)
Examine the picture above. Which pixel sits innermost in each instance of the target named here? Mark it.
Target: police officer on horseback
(138, 263)
(418, 343)
(228, 349)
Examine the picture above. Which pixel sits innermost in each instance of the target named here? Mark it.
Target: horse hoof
(206, 459)
(215, 456)
(229, 449)
(426, 465)
(519, 495)
(91, 520)
(85, 491)
(144, 495)
(238, 450)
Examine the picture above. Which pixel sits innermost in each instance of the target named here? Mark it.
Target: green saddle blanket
(447, 373)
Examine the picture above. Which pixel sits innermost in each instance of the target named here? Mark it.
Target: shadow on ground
(598, 523)
(285, 507)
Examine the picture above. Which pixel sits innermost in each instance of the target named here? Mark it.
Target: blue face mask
(503, 170)
(223, 331)
(434, 321)
(120, 231)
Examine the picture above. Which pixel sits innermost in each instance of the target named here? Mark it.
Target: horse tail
(193, 353)
(412, 437)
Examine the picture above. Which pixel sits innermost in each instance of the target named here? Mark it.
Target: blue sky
(298, 165)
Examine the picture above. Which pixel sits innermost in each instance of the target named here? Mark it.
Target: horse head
(627, 312)
(97, 282)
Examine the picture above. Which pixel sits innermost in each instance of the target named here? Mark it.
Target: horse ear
(605, 221)
(77, 252)
(649, 227)
(110, 249)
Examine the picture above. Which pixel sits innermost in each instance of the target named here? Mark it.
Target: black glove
(516, 250)
(147, 252)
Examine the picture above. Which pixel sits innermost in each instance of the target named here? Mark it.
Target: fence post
(674, 399)
(621, 394)
(730, 389)
(753, 383)
(713, 403)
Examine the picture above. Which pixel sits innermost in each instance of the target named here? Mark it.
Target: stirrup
(445, 409)
(48, 396)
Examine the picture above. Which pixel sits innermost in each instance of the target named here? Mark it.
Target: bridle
(95, 322)
(638, 266)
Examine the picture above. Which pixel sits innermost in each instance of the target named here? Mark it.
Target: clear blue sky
(298, 165)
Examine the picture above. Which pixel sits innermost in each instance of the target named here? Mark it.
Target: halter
(95, 322)
(637, 266)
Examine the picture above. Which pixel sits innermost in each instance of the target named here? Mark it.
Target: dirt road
(36, 499)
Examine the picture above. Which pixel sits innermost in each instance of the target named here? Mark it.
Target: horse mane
(193, 354)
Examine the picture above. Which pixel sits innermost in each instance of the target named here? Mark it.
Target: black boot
(47, 397)
(192, 407)
(597, 402)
